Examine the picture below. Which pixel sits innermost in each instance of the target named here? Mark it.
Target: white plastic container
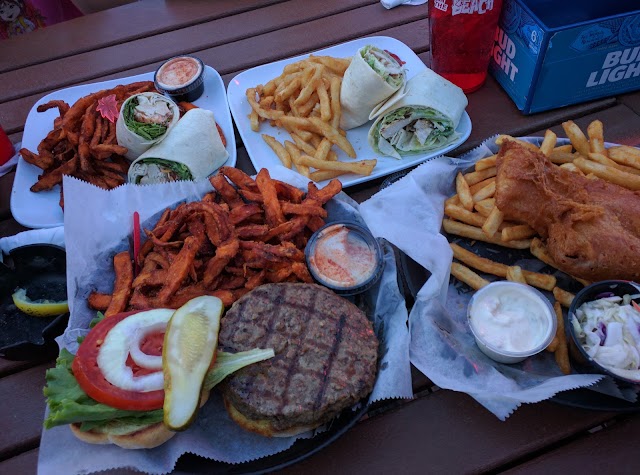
(511, 321)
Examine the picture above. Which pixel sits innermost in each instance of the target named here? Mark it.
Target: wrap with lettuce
(191, 151)
(373, 77)
(145, 119)
(423, 120)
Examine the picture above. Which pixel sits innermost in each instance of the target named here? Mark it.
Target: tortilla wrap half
(191, 151)
(423, 120)
(128, 137)
(364, 90)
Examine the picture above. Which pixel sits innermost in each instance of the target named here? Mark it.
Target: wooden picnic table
(438, 431)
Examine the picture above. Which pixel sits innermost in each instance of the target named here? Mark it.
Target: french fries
(245, 233)
(305, 101)
(472, 214)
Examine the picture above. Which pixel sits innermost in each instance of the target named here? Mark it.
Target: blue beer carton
(551, 53)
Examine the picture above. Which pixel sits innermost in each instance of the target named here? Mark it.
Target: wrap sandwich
(145, 119)
(192, 151)
(373, 77)
(424, 119)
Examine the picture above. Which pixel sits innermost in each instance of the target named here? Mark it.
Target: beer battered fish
(591, 227)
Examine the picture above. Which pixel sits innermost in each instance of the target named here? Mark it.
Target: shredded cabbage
(609, 331)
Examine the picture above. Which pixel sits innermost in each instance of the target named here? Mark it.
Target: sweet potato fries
(245, 233)
(83, 143)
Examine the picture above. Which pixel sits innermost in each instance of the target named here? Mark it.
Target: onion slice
(141, 358)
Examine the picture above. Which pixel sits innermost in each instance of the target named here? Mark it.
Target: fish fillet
(591, 227)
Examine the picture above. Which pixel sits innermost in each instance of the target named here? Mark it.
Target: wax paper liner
(409, 214)
(98, 223)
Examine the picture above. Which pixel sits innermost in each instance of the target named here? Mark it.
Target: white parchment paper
(98, 224)
(409, 215)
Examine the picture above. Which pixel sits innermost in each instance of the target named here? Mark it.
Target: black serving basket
(38, 268)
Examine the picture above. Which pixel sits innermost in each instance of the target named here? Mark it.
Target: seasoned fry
(502, 138)
(279, 150)
(122, 286)
(487, 162)
(548, 143)
(514, 274)
(466, 275)
(562, 350)
(361, 167)
(613, 175)
(563, 297)
(478, 176)
(596, 137)
(461, 214)
(484, 207)
(625, 155)
(484, 193)
(560, 156)
(536, 279)
(493, 222)
(577, 137)
(471, 232)
(464, 194)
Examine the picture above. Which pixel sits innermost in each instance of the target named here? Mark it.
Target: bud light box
(551, 53)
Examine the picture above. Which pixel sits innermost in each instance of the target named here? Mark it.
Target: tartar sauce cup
(607, 288)
(344, 257)
(511, 321)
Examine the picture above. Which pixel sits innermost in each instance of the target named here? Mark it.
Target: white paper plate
(41, 210)
(261, 154)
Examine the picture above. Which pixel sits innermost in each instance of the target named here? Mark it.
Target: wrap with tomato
(373, 78)
(145, 119)
(113, 389)
(192, 151)
(423, 120)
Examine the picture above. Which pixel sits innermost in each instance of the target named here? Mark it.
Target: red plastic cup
(462, 34)
(6, 147)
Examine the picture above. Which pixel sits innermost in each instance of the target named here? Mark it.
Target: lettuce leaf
(68, 403)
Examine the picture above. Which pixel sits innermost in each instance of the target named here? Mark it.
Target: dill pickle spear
(190, 343)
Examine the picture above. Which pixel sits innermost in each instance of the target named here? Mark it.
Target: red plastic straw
(136, 242)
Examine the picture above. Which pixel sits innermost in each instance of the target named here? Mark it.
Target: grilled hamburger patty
(325, 354)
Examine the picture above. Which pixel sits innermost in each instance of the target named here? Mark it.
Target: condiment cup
(181, 84)
(595, 291)
(544, 325)
(344, 257)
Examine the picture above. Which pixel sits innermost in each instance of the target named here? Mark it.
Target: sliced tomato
(87, 372)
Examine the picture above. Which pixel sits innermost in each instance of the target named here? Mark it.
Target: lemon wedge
(190, 341)
(38, 308)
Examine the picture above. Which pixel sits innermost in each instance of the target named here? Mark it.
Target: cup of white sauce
(511, 321)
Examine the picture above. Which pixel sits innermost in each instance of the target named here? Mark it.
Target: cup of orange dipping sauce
(344, 257)
(181, 78)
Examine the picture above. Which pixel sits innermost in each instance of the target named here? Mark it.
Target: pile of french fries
(305, 101)
(471, 213)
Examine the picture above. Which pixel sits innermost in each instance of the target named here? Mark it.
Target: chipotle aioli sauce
(178, 72)
(342, 258)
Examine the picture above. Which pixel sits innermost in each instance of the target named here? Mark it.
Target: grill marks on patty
(326, 354)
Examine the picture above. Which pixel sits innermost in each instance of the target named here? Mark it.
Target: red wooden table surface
(438, 431)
